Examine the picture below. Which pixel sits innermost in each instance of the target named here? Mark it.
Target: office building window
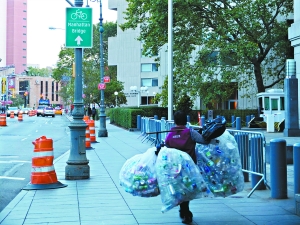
(46, 89)
(42, 87)
(149, 82)
(149, 67)
(56, 89)
(52, 90)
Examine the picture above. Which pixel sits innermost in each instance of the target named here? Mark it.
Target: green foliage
(43, 72)
(185, 104)
(91, 71)
(18, 101)
(241, 41)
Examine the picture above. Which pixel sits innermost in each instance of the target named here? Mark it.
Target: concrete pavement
(101, 200)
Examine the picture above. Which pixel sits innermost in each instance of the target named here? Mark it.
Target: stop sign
(101, 86)
(106, 79)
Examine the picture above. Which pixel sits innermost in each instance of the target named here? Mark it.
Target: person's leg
(185, 213)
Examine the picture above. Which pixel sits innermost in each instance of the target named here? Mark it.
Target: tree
(91, 69)
(42, 72)
(242, 41)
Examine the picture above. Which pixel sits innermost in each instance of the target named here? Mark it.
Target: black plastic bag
(214, 128)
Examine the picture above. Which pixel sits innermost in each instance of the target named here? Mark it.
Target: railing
(251, 147)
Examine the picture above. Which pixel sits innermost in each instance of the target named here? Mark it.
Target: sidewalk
(100, 200)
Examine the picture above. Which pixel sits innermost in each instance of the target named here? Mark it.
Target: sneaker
(187, 218)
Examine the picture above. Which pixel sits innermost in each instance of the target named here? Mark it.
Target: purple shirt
(184, 139)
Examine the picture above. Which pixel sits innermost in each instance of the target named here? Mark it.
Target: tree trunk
(258, 78)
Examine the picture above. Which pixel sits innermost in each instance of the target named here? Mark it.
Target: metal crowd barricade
(251, 146)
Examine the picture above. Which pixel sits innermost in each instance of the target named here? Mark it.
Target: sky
(43, 44)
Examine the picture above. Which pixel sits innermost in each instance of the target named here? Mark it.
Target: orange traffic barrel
(12, 115)
(20, 116)
(91, 124)
(2, 120)
(87, 138)
(43, 175)
(86, 118)
(30, 113)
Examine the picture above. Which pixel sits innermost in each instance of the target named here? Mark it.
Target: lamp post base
(102, 133)
(77, 172)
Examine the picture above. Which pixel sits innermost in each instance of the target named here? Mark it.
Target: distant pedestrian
(89, 112)
(93, 112)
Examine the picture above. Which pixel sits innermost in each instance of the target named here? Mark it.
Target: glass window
(149, 67)
(149, 82)
(267, 103)
(146, 67)
(146, 82)
(274, 103)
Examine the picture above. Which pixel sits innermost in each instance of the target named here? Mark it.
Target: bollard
(257, 161)
(138, 122)
(233, 121)
(248, 118)
(242, 140)
(296, 156)
(203, 120)
(238, 123)
(188, 118)
(278, 170)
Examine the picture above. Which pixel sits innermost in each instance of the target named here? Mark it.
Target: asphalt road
(16, 150)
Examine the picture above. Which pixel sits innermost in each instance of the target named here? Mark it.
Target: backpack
(93, 111)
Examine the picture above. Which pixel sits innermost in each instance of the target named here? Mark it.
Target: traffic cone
(43, 175)
(20, 117)
(2, 120)
(87, 138)
(91, 124)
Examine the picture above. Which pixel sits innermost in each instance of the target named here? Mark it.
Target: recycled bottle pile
(179, 178)
(220, 165)
(138, 177)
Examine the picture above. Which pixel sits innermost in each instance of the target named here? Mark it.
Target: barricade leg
(278, 170)
(257, 163)
(242, 140)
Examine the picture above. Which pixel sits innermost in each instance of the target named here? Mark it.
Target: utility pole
(77, 165)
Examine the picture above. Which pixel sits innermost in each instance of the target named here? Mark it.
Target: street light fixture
(116, 94)
(102, 117)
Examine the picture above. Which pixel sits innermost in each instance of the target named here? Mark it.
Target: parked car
(48, 111)
(58, 111)
(12, 109)
(40, 110)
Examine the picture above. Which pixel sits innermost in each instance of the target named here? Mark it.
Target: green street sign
(79, 27)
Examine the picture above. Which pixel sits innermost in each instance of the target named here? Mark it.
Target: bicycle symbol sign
(78, 14)
(79, 27)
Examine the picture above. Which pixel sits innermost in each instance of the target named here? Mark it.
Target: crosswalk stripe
(12, 178)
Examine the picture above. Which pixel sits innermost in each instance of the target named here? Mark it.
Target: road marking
(15, 161)
(12, 178)
(23, 139)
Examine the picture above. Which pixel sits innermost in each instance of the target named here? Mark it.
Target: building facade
(135, 70)
(31, 89)
(13, 34)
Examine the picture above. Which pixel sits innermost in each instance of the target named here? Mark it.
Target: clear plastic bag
(220, 165)
(138, 177)
(179, 178)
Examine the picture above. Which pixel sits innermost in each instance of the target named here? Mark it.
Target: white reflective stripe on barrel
(42, 169)
(42, 154)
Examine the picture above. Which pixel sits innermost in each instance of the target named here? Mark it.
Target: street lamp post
(116, 94)
(102, 117)
(77, 165)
